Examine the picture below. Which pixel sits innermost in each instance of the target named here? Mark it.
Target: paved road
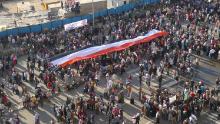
(206, 71)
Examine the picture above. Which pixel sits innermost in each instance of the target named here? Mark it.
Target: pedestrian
(37, 118)
(192, 119)
(1, 5)
(109, 117)
(52, 122)
(91, 119)
(160, 78)
(129, 90)
(17, 120)
(219, 55)
(192, 85)
(97, 78)
(61, 2)
(158, 117)
(112, 99)
(1, 69)
(10, 121)
(136, 118)
(217, 81)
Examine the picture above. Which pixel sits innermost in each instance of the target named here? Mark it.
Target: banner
(75, 25)
(95, 51)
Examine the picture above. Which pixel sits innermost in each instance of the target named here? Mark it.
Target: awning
(93, 52)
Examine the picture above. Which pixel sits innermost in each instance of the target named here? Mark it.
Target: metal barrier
(59, 23)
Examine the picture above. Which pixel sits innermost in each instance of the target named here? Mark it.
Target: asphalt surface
(207, 71)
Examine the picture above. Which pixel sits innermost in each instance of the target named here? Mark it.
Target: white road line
(132, 71)
(169, 84)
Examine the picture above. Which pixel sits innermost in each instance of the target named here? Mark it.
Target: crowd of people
(71, 5)
(193, 27)
(187, 106)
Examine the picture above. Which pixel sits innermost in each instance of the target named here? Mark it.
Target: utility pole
(93, 17)
(140, 88)
(140, 81)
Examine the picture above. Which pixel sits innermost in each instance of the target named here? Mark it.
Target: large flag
(93, 52)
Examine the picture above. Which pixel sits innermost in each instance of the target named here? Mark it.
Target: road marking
(132, 71)
(169, 84)
(168, 81)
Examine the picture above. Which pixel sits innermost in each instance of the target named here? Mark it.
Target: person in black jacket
(217, 81)
(160, 78)
(1, 5)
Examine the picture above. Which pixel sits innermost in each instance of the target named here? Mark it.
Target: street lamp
(93, 17)
(140, 84)
(141, 71)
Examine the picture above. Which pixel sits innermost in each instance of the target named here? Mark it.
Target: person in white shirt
(107, 77)
(197, 61)
(109, 84)
(192, 119)
(37, 118)
(211, 52)
(148, 79)
(13, 41)
(15, 87)
(11, 121)
(219, 55)
(158, 117)
(123, 61)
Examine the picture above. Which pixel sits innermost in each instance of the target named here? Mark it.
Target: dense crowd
(186, 107)
(193, 27)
